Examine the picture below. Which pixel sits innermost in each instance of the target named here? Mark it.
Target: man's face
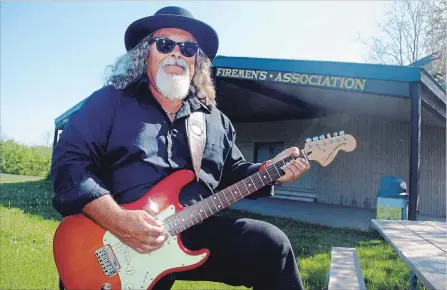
(171, 73)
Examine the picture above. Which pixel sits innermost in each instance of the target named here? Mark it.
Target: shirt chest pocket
(213, 160)
(215, 148)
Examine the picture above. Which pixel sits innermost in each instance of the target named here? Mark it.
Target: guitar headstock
(323, 149)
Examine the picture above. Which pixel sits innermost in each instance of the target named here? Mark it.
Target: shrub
(24, 160)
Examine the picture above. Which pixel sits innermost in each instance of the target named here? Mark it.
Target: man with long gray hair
(131, 134)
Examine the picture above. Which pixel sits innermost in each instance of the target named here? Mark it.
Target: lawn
(28, 223)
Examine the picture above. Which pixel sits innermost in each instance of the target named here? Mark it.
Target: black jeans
(244, 252)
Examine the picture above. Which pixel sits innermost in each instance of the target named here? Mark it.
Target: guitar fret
(184, 220)
(200, 205)
(274, 166)
(214, 203)
(267, 170)
(260, 178)
(275, 172)
(238, 189)
(219, 200)
(226, 197)
(220, 206)
(243, 182)
(174, 222)
(194, 215)
(259, 182)
(181, 222)
(206, 208)
(254, 183)
(187, 220)
(233, 187)
(206, 201)
(210, 206)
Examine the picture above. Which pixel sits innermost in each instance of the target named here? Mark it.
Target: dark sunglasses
(166, 45)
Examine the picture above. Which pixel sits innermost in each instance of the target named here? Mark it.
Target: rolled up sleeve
(236, 168)
(75, 167)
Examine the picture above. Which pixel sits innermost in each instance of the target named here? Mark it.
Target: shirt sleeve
(236, 168)
(76, 156)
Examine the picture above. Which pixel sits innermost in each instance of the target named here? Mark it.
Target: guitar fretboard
(207, 207)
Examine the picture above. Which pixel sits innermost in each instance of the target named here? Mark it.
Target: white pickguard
(137, 271)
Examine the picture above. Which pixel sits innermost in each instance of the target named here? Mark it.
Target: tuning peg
(342, 133)
(335, 134)
(315, 138)
(308, 140)
(321, 137)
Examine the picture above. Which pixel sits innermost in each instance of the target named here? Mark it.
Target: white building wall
(353, 179)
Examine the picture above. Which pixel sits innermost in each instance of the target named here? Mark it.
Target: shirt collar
(144, 80)
(195, 103)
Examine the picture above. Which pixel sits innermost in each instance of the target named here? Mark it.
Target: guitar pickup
(107, 260)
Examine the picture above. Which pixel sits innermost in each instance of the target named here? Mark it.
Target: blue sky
(53, 54)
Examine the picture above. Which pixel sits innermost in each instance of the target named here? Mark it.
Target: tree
(20, 159)
(411, 30)
(436, 38)
(48, 138)
(3, 136)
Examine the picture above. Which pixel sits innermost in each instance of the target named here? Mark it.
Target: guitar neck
(209, 206)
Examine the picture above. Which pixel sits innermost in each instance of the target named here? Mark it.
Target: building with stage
(397, 115)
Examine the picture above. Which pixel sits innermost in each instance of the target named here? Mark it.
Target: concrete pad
(314, 213)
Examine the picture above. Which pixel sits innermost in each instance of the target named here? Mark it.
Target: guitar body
(80, 246)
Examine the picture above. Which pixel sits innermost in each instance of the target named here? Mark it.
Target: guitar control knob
(342, 133)
(130, 270)
(106, 286)
(321, 137)
(308, 140)
(315, 138)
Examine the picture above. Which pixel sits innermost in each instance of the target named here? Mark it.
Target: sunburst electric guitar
(89, 257)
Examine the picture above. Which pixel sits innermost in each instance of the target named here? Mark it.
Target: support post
(415, 149)
(56, 131)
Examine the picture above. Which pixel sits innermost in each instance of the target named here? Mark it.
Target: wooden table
(422, 245)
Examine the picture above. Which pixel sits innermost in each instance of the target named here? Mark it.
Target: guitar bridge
(107, 260)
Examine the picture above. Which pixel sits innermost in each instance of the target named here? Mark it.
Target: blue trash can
(392, 199)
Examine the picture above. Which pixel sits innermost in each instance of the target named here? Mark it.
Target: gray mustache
(172, 61)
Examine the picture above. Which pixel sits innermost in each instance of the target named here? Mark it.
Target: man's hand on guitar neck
(135, 228)
(294, 168)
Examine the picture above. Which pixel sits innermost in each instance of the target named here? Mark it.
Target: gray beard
(173, 87)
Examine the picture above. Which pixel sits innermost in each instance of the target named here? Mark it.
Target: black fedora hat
(173, 17)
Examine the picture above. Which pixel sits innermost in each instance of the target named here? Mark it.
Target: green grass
(28, 222)
(9, 178)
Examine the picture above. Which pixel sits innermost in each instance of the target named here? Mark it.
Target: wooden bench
(345, 272)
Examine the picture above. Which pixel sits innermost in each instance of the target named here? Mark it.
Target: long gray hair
(130, 67)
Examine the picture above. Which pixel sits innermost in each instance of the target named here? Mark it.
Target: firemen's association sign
(293, 78)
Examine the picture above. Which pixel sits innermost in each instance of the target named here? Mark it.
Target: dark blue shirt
(122, 142)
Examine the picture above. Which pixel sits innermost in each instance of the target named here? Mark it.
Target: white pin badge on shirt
(196, 130)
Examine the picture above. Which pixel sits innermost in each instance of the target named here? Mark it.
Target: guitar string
(258, 182)
(119, 246)
(176, 230)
